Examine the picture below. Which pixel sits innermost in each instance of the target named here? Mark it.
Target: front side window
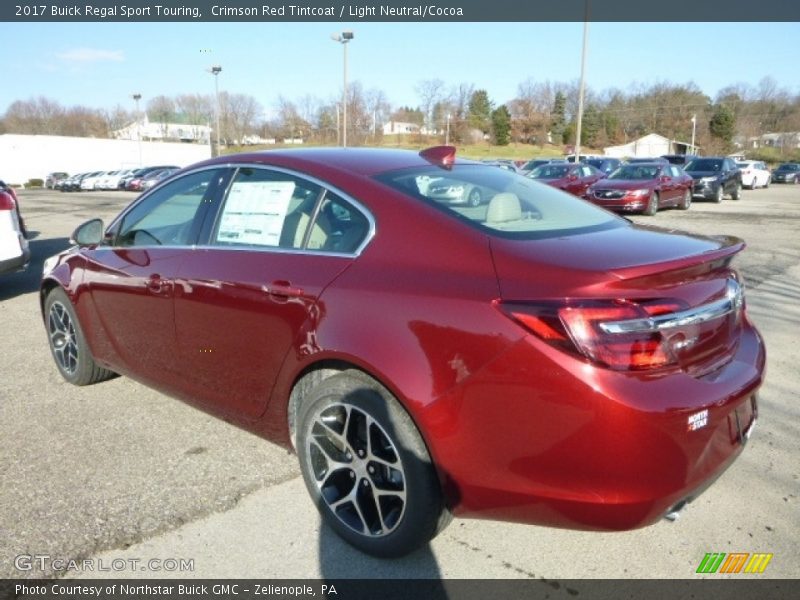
(170, 215)
(509, 205)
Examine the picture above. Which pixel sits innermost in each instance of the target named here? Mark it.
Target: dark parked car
(787, 173)
(139, 175)
(646, 159)
(569, 177)
(679, 159)
(155, 177)
(643, 187)
(714, 177)
(606, 165)
(537, 359)
(537, 162)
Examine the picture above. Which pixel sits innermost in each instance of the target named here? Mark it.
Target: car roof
(356, 161)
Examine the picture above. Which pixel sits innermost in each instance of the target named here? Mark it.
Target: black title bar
(404, 11)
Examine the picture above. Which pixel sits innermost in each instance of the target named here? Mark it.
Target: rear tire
(353, 438)
(68, 344)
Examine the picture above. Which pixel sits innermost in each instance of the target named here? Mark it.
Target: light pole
(136, 97)
(447, 133)
(215, 71)
(694, 128)
(344, 38)
(582, 86)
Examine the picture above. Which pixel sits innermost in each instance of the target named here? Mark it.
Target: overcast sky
(101, 64)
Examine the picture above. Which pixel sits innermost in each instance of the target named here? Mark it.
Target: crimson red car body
(646, 187)
(572, 178)
(554, 375)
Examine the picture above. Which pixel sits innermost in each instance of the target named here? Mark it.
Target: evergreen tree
(558, 118)
(501, 125)
(480, 110)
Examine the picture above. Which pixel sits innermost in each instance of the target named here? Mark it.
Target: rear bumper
(17, 263)
(543, 438)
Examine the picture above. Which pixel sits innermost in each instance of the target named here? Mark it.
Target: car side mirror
(572, 177)
(664, 178)
(89, 233)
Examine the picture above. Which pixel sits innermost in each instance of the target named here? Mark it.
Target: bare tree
(430, 91)
(161, 109)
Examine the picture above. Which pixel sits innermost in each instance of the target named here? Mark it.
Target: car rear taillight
(625, 335)
(7, 201)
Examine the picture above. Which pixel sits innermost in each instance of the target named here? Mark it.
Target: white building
(650, 145)
(24, 157)
(398, 127)
(146, 130)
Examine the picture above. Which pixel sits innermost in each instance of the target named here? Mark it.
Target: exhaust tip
(674, 513)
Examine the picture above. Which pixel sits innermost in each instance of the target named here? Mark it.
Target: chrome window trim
(325, 187)
(694, 316)
(237, 165)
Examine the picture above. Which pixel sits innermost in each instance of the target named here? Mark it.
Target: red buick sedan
(511, 360)
(643, 187)
(571, 178)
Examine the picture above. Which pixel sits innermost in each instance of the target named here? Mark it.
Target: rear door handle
(281, 289)
(157, 285)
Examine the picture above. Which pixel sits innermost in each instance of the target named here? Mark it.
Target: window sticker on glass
(255, 212)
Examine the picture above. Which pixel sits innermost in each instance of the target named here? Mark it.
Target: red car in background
(534, 358)
(643, 187)
(569, 177)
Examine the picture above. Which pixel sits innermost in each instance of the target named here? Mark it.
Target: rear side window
(500, 202)
(273, 209)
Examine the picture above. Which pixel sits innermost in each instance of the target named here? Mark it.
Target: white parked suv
(754, 173)
(14, 251)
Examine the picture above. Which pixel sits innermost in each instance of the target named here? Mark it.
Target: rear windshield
(501, 202)
(550, 172)
(704, 164)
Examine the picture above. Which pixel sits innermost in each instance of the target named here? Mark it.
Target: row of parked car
(135, 180)
(648, 184)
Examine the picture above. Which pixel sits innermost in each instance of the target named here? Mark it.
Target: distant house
(148, 131)
(396, 127)
(652, 144)
(788, 139)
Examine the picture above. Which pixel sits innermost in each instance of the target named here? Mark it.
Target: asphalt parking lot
(117, 471)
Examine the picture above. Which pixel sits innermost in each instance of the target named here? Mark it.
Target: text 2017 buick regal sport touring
(532, 358)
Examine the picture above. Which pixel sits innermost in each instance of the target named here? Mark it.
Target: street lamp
(215, 71)
(447, 134)
(582, 86)
(344, 38)
(694, 128)
(136, 97)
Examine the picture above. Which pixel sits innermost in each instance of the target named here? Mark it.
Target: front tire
(68, 344)
(475, 197)
(737, 192)
(367, 468)
(652, 205)
(720, 193)
(686, 202)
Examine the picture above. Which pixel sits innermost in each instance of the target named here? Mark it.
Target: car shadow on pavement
(24, 282)
(338, 560)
